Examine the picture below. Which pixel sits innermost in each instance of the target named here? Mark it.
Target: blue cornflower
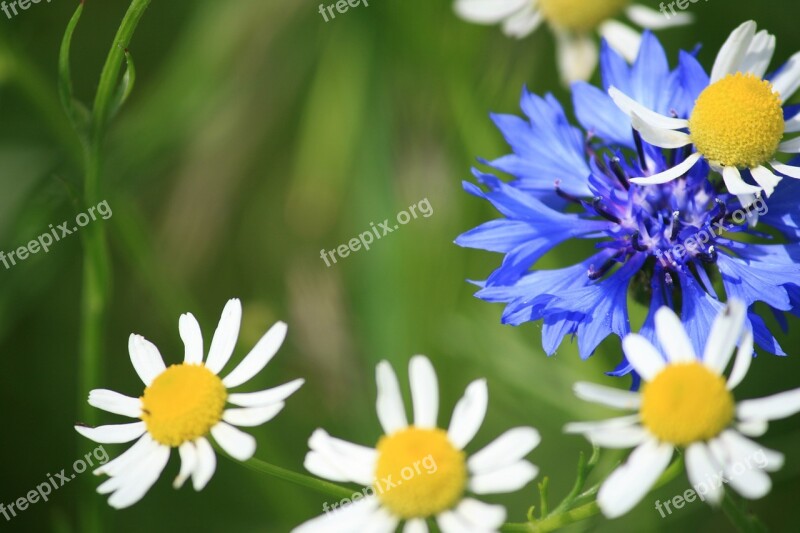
(687, 244)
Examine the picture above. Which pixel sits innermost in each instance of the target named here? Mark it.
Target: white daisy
(400, 489)
(573, 22)
(737, 122)
(686, 403)
(182, 404)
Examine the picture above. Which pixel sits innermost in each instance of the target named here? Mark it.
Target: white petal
(665, 138)
(468, 414)
(643, 356)
(523, 22)
(759, 54)
(735, 184)
(577, 56)
(488, 11)
(415, 525)
(146, 358)
(746, 479)
(792, 146)
(192, 339)
(252, 416)
(452, 522)
(188, 454)
(765, 179)
(775, 407)
(671, 174)
(655, 20)
(792, 125)
(629, 483)
(792, 172)
(598, 425)
(235, 442)
(725, 333)
(752, 428)
(730, 56)
(225, 336)
(618, 438)
(743, 358)
(673, 337)
(629, 106)
(788, 80)
(505, 450)
(319, 465)
(702, 470)
(258, 357)
(351, 517)
(622, 38)
(129, 457)
(482, 516)
(116, 403)
(206, 464)
(391, 411)
(266, 397)
(146, 476)
(503, 480)
(356, 462)
(752, 453)
(113, 434)
(617, 398)
(424, 392)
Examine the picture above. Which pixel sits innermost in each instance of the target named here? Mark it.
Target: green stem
(319, 485)
(743, 521)
(556, 521)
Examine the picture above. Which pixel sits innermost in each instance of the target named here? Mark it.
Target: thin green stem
(319, 485)
(743, 521)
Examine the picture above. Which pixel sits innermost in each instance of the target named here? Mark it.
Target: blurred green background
(257, 135)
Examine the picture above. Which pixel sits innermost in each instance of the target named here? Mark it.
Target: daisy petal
(424, 392)
(482, 516)
(319, 465)
(735, 184)
(765, 179)
(672, 337)
(188, 454)
(700, 467)
(598, 425)
(577, 56)
(391, 412)
(505, 450)
(252, 416)
(786, 170)
(743, 358)
(131, 456)
(617, 398)
(732, 53)
(206, 464)
(752, 428)
(757, 59)
(792, 146)
(658, 136)
(629, 483)
(488, 11)
(258, 357)
(468, 414)
(788, 79)
(746, 450)
(655, 20)
(146, 476)
(622, 38)
(643, 356)
(114, 402)
(629, 106)
(671, 174)
(225, 336)
(192, 339)
(415, 525)
(503, 480)
(113, 434)
(235, 442)
(355, 461)
(523, 22)
(618, 438)
(351, 517)
(725, 333)
(775, 407)
(146, 358)
(266, 397)
(451, 522)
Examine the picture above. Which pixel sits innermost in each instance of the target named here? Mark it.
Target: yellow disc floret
(183, 403)
(580, 15)
(686, 403)
(738, 121)
(419, 472)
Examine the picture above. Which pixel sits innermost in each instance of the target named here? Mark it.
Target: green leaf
(76, 111)
(125, 86)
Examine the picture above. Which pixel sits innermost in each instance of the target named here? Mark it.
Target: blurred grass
(257, 135)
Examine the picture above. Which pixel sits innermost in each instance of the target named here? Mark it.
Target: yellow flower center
(738, 121)
(183, 403)
(580, 15)
(686, 403)
(419, 472)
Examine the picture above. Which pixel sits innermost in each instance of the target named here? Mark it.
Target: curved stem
(310, 482)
